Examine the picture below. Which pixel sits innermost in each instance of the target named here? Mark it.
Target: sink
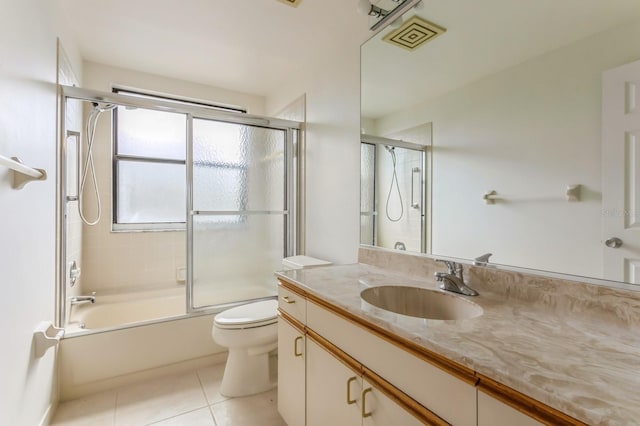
(421, 303)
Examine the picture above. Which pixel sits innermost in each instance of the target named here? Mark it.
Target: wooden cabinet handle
(295, 346)
(364, 403)
(349, 400)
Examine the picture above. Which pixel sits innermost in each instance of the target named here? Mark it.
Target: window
(149, 160)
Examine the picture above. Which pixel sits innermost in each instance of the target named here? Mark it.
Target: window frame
(118, 158)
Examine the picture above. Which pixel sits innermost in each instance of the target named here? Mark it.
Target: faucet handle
(451, 266)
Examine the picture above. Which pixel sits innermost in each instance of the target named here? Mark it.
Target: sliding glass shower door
(239, 223)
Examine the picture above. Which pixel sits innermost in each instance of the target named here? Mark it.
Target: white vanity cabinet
(291, 357)
(291, 372)
(338, 369)
(333, 390)
(337, 394)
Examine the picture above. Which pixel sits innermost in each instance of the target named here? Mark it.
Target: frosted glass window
(151, 134)
(236, 263)
(151, 192)
(237, 167)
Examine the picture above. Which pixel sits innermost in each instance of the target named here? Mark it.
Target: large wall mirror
(529, 113)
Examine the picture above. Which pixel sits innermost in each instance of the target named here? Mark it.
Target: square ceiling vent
(293, 3)
(413, 33)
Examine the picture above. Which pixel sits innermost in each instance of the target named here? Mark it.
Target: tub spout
(75, 300)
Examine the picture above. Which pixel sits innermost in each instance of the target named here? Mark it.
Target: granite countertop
(576, 363)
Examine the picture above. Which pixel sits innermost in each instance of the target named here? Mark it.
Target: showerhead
(102, 107)
(389, 149)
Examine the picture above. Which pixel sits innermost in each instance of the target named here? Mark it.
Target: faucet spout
(453, 279)
(76, 300)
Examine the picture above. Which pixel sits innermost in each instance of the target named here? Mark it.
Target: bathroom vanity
(528, 359)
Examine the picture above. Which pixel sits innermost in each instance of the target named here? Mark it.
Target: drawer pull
(364, 403)
(287, 300)
(349, 400)
(295, 346)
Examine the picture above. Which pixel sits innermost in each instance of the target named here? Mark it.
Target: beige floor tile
(211, 379)
(253, 410)
(95, 410)
(201, 417)
(159, 399)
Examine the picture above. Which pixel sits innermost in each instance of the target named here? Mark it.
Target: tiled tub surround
(569, 345)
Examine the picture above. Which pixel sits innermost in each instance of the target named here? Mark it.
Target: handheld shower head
(102, 107)
(389, 149)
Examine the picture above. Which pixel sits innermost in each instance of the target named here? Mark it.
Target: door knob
(613, 242)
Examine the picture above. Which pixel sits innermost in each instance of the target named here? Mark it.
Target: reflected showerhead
(102, 107)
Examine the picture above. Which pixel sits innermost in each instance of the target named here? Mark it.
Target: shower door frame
(293, 234)
(289, 212)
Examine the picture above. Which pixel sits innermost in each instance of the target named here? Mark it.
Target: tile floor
(188, 399)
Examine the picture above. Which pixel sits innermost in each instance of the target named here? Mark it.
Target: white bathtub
(130, 336)
(127, 308)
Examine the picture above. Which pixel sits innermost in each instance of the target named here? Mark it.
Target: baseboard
(85, 389)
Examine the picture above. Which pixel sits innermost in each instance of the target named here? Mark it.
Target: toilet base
(246, 374)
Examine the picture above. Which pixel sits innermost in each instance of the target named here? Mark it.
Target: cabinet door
(379, 410)
(333, 390)
(291, 374)
(492, 412)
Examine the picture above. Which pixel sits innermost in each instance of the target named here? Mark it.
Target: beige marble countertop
(576, 363)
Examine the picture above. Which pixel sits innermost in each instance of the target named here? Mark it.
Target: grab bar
(22, 174)
(414, 205)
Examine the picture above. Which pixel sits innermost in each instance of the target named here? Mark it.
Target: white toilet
(250, 332)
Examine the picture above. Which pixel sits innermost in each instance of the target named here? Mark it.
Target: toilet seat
(257, 314)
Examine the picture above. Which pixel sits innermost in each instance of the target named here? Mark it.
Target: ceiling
(251, 46)
(482, 38)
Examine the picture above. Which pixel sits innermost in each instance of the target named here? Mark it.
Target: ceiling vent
(413, 33)
(293, 3)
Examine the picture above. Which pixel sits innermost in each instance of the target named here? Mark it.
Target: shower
(384, 184)
(229, 177)
(394, 180)
(90, 130)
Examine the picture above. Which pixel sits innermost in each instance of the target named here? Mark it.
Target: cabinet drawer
(292, 303)
(447, 396)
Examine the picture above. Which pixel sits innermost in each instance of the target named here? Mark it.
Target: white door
(379, 410)
(291, 374)
(621, 172)
(333, 390)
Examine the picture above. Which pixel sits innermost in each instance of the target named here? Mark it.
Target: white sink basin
(421, 303)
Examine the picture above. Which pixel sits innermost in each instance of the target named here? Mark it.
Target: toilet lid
(254, 314)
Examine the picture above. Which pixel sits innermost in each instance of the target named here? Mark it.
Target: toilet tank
(303, 262)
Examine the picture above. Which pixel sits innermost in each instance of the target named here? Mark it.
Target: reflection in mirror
(393, 200)
(547, 119)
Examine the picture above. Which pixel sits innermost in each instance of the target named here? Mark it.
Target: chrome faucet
(76, 300)
(453, 279)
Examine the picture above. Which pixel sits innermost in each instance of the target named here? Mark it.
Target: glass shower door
(238, 216)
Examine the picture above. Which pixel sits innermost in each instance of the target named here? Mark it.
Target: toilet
(250, 332)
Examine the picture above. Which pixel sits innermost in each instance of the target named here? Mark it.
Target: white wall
(332, 86)
(28, 30)
(526, 132)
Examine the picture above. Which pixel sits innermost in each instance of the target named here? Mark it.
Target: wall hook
(490, 197)
(45, 336)
(574, 192)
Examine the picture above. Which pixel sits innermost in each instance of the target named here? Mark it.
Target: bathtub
(122, 309)
(131, 336)
(138, 307)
